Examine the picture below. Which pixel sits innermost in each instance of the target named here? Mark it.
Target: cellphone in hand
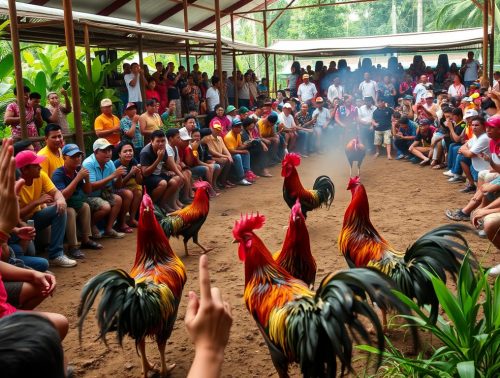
(31, 223)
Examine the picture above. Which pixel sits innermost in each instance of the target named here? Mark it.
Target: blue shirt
(61, 180)
(98, 174)
(411, 130)
(125, 125)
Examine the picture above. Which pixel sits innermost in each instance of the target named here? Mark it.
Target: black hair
(215, 80)
(488, 103)
(172, 132)
(151, 102)
(21, 146)
(205, 132)
(119, 147)
(219, 106)
(134, 64)
(458, 112)
(196, 130)
(157, 134)
(247, 122)
(480, 119)
(188, 117)
(51, 127)
(26, 89)
(182, 68)
(447, 109)
(30, 346)
(151, 79)
(396, 115)
(404, 120)
(192, 108)
(35, 96)
(272, 117)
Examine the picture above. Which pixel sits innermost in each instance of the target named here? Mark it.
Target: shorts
(487, 176)
(13, 290)
(151, 182)
(96, 203)
(382, 138)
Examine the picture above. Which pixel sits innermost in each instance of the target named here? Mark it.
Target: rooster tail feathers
(326, 190)
(171, 224)
(321, 328)
(127, 307)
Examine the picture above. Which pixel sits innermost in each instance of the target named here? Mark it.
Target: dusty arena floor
(405, 201)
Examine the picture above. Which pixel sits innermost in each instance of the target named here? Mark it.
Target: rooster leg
(164, 372)
(146, 366)
(186, 248)
(205, 250)
(350, 171)
(359, 170)
(384, 319)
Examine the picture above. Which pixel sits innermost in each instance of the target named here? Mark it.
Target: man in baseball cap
(307, 91)
(40, 200)
(107, 125)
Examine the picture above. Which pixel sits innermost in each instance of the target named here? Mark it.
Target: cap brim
(73, 153)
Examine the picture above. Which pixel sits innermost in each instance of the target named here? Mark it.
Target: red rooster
(189, 220)
(144, 302)
(295, 255)
(355, 152)
(323, 190)
(303, 326)
(363, 246)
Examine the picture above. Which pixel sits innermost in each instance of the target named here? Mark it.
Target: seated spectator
(193, 156)
(21, 243)
(382, 125)
(421, 146)
(131, 131)
(305, 123)
(74, 183)
(41, 201)
(426, 108)
(194, 113)
(130, 188)
(288, 127)
(490, 216)
(259, 153)
(456, 128)
(240, 154)
(56, 113)
(489, 107)
(220, 154)
(404, 132)
(221, 119)
(189, 124)
(104, 204)
(170, 115)
(231, 113)
(457, 88)
(150, 120)
(107, 125)
(176, 144)
(160, 181)
(270, 137)
(243, 113)
(52, 150)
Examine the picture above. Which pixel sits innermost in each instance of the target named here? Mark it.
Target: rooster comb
(354, 181)
(199, 184)
(291, 158)
(297, 209)
(247, 224)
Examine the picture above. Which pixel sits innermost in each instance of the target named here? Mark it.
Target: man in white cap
(307, 91)
(107, 125)
(103, 202)
(287, 126)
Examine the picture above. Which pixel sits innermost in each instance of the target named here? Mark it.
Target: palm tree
(464, 13)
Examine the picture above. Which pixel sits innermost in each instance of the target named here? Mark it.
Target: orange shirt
(103, 122)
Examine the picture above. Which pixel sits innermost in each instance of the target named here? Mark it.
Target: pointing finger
(205, 293)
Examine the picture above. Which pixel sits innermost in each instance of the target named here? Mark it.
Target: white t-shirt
(365, 114)
(456, 91)
(323, 117)
(335, 92)
(419, 91)
(286, 120)
(134, 93)
(213, 98)
(368, 89)
(478, 145)
(307, 91)
(471, 72)
(244, 92)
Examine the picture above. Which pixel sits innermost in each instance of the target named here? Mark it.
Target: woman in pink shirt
(221, 119)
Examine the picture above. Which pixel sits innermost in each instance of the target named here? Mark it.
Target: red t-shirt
(5, 308)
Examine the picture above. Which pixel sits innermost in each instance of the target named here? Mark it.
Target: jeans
(241, 165)
(34, 262)
(457, 167)
(402, 145)
(199, 171)
(57, 222)
(452, 154)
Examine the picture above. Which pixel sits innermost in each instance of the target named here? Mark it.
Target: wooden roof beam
(237, 5)
(169, 13)
(113, 7)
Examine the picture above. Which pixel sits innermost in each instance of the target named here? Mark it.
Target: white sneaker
(495, 271)
(244, 182)
(448, 173)
(62, 261)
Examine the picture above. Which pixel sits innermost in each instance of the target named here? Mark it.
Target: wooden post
(485, 38)
(16, 52)
(266, 55)
(86, 41)
(235, 65)
(492, 40)
(69, 32)
(139, 48)
(186, 29)
(218, 51)
(275, 77)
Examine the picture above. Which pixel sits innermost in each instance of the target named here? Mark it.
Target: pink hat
(28, 157)
(493, 122)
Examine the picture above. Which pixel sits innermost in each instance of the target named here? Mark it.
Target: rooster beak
(234, 241)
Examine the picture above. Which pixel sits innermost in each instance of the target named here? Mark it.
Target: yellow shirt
(232, 141)
(52, 161)
(32, 192)
(103, 122)
(266, 129)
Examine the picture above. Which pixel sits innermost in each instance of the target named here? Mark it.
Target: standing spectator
(263, 87)
(213, 95)
(35, 98)
(240, 154)
(307, 91)
(346, 116)
(41, 201)
(381, 123)
(152, 90)
(368, 87)
(130, 129)
(404, 132)
(293, 80)
(220, 154)
(173, 93)
(421, 147)
(335, 90)
(470, 69)
(52, 150)
(56, 112)
(159, 71)
(169, 117)
(365, 118)
(456, 89)
(107, 125)
(244, 91)
(150, 120)
(196, 74)
(13, 119)
(181, 85)
(420, 89)
(133, 81)
(387, 91)
(161, 87)
(406, 86)
(74, 183)
(321, 118)
(103, 202)
(192, 93)
(252, 86)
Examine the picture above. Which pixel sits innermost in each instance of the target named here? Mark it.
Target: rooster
(295, 255)
(434, 252)
(189, 220)
(355, 152)
(145, 301)
(303, 326)
(323, 190)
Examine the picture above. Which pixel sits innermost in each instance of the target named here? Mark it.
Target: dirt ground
(405, 201)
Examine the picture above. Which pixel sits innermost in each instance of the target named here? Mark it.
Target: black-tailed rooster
(188, 221)
(145, 301)
(303, 326)
(295, 255)
(355, 152)
(438, 251)
(322, 193)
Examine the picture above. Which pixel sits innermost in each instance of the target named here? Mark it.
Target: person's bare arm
(68, 191)
(28, 209)
(67, 103)
(96, 185)
(10, 119)
(105, 133)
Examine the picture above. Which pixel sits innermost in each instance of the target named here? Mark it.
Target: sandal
(125, 230)
(113, 234)
(439, 166)
(91, 245)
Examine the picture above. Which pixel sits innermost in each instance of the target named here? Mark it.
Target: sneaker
(76, 253)
(482, 234)
(244, 182)
(457, 215)
(62, 261)
(495, 271)
(113, 234)
(468, 189)
(448, 173)
(415, 160)
(456, 179)
(400, 156)
(250, 176)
